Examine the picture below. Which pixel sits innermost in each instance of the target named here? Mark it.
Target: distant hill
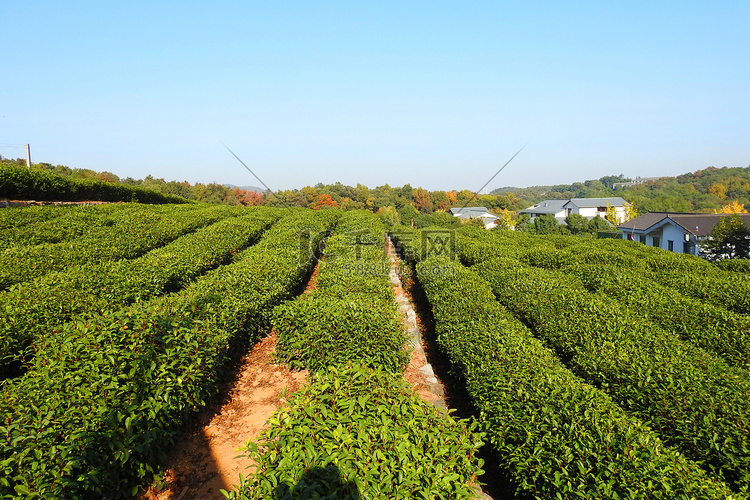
(246, 188)
(706, 190)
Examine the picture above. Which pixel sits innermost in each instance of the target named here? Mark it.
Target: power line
(491, 178)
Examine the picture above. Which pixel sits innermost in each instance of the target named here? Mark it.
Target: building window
(601, 209)
(656, 242)
(686, 247)
(670, 245)
(642, 238)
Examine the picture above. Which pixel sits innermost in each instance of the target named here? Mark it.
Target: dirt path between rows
(205, 462)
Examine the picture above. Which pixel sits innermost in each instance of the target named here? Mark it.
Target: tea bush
(143, 230)
(556, 436)
(102, 401)
(37, 308)
(350, 315)
(695, 401)
(358, 432)
(712, 328)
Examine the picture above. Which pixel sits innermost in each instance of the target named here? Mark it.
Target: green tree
(577, 223)
(389, 215)
(598, 224)
(730, 238)
(546, 224)
(445, 219)
(523, 223)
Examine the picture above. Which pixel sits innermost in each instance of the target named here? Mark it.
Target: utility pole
(28, 156)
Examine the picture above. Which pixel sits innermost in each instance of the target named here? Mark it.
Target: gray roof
(598, 202)
(545, 207)
(697, 224)
(484, 216)
(471, 211)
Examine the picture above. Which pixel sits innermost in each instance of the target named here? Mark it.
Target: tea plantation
(596, 369)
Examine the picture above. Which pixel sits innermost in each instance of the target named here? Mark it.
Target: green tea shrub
(142, 230)
(695, 401)
(39, 307)
(553, 435)
(101, 403)
(350, 315)
(704, 325)
(357, 432)
(319, 330)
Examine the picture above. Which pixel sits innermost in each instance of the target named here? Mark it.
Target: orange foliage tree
(324, 201)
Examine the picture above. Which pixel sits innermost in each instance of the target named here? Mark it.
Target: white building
(467, 213)
(676, 232)
(587, 207)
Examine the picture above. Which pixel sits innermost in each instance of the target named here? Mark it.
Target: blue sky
(436, 94)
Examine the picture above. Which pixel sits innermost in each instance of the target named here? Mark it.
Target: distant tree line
(704, 191)
(724, 190)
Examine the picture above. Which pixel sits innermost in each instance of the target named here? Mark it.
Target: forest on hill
(707, 190)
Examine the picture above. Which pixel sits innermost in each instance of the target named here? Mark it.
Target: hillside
(704, 190)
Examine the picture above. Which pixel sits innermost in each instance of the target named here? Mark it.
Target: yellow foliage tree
(630, 212)
(732, 208)
(719, 190)
(611, 215)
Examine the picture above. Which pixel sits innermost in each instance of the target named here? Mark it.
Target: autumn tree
(719, 190)
(505, 220)
(253, 199)
(324, 201)
(732, 208)
(611, 215)
(421, 200)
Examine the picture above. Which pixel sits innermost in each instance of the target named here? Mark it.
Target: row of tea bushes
(357, 430)
(143, 230)
(709, 327)
(73, 222)
(23, 216)
(103, 400)
(695, 401)
(350, 315)
(37, 308)
(734, 265)
(687, 274)
(607, 267)
(554, 436)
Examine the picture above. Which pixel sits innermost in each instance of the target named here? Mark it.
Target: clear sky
(433, 93)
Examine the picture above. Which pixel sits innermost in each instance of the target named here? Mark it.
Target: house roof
(476, 215)
(598, 202)
(471, 211)
(545, 207)
(699, 225)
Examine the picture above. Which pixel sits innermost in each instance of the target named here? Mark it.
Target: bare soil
(207, 460)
